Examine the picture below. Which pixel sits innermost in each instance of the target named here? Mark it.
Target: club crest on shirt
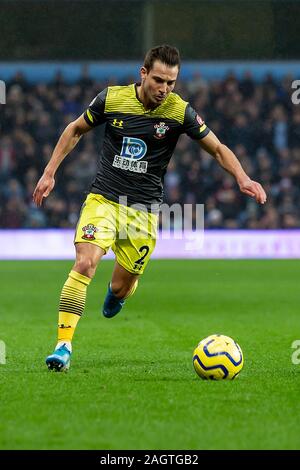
(89, 231)
(161, 129)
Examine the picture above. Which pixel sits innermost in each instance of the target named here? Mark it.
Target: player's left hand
(253, 189)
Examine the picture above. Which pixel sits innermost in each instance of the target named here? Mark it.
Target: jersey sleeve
(193, 124)
(94, 114)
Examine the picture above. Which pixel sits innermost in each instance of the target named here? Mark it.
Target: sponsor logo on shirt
(133, 150)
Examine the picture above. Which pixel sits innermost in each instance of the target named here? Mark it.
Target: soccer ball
(218, 357)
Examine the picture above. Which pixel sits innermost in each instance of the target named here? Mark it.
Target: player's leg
(123, 284)
(132, 253)
(73, 295)
(95, 233)
(72, 302)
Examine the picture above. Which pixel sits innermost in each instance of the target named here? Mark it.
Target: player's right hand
(43, 189)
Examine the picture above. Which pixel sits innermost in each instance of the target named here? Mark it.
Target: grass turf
(131, 384)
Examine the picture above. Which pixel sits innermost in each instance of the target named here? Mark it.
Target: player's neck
(140, 94)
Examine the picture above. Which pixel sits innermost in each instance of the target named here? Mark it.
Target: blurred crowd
(257, 120)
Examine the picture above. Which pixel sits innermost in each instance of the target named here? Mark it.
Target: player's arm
(67, 141)
(226, 158)
(196, 128)
(92, 117)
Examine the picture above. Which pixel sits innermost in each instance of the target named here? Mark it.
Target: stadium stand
(256, 119)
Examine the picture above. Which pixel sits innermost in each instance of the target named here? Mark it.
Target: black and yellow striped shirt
(138, 142)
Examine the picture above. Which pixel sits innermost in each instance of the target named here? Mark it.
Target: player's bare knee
(85, 266)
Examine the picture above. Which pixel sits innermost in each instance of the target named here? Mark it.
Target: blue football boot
(60, 359)
(112, 305)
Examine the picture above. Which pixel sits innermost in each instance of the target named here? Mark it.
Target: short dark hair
(166, 54)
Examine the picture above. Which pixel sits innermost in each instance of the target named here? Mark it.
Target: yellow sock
(71, 306)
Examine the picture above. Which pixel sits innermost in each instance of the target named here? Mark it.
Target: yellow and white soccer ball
(218, 357)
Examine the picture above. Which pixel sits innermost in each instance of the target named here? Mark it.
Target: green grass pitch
(132, 384)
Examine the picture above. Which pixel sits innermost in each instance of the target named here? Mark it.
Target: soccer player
(143, 123)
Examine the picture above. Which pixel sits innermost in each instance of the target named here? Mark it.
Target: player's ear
(143, 72)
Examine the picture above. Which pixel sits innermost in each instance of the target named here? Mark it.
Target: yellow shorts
(129, 232)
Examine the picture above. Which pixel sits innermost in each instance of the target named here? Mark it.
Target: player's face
(158, 82)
